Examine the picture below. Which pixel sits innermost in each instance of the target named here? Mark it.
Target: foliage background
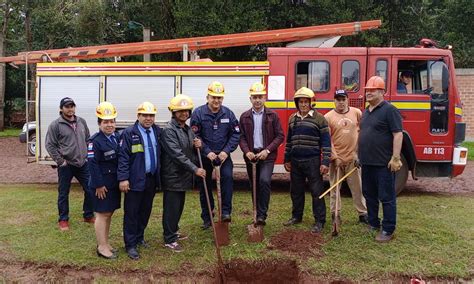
(47, 24)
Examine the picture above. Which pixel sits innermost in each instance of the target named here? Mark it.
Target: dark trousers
(65, 175)
(137, 211)
(173, 205)
(302, 173)
(264, 185)
(227, 182)
(378, 185)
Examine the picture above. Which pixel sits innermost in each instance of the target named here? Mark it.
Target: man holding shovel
(343, 123)
(261, 135)
(218, 129)
(178, 167)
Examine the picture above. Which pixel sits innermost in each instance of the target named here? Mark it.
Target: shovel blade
(222, 233)
(255, 233)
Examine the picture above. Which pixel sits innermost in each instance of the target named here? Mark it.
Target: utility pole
(146, 37)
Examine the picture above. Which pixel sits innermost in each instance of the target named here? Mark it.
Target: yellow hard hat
(216, 89)
(304, 92)
(146, 108)
(181, 102)
(257, 89)
(106, 110)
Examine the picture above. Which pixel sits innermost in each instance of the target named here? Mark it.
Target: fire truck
(430, 106)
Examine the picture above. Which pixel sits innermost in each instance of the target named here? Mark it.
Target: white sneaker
(174, 247)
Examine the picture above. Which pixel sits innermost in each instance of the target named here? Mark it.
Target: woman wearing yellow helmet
(102, 154)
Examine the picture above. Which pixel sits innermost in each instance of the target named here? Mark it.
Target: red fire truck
(430, 106)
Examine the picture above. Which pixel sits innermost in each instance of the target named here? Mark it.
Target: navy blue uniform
(218, 132)
(102, 156)
(139, 200)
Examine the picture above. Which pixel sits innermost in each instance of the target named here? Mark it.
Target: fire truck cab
(428, 101)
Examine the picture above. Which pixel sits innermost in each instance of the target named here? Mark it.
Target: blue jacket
(131, 165)
(218, 131)
(102, 157)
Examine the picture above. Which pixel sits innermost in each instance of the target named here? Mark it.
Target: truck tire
(401, 176)
(32, 144)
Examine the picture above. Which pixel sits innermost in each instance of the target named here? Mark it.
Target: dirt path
(14, 169)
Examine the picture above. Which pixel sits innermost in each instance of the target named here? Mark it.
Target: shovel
(337, 182)
(222, 228)
(220, 264)
(255, 231)
(336, 222)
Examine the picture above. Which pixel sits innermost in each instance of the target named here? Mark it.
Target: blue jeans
(227, 183)
(65, 175)
(378, 185)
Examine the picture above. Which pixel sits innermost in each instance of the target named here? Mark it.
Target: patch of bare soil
(264, 271)
(298, 243)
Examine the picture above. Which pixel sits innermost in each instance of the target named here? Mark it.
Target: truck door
(419, 89)
(351, 74)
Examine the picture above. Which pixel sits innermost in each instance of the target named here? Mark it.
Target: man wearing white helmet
(307, 157)
(139, 176)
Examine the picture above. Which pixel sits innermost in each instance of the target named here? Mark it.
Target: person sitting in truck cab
(403, 81)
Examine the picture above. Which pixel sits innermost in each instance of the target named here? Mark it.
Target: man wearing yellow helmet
(307, 157)
(218, 129)
(139, 175)
(261, 136)
(179, 156)
(102, 155)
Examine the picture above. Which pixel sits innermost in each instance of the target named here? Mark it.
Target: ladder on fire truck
(312, 36)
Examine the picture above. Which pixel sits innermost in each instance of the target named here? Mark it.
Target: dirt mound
(265, 271)
(300, 243)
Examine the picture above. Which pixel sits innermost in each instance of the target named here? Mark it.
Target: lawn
(10, 132)
(470, 152)
(434, 237)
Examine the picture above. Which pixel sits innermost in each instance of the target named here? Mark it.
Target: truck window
(431, 78)
(313, 75)
(350, 75)
(381, 69)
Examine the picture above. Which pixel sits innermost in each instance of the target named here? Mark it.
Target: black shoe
(99, 254)
(206, 225)
(292, 221)
(364, 219)
(317, 228)
(226, 218)
(133, 253)
(261, 221)
(143, 244)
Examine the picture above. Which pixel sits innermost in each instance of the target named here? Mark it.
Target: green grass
(10, 132)
(470, 152)
(434, 237)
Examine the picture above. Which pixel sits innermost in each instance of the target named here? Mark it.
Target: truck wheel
(32, 144)
(401, 176)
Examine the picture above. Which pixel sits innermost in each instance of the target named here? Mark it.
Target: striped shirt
(308, 138)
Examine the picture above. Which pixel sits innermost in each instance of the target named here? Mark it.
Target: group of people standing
(144, 158)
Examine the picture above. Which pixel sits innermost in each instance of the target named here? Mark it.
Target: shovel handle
(338, 182)
(254, 190)
(218, 252)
